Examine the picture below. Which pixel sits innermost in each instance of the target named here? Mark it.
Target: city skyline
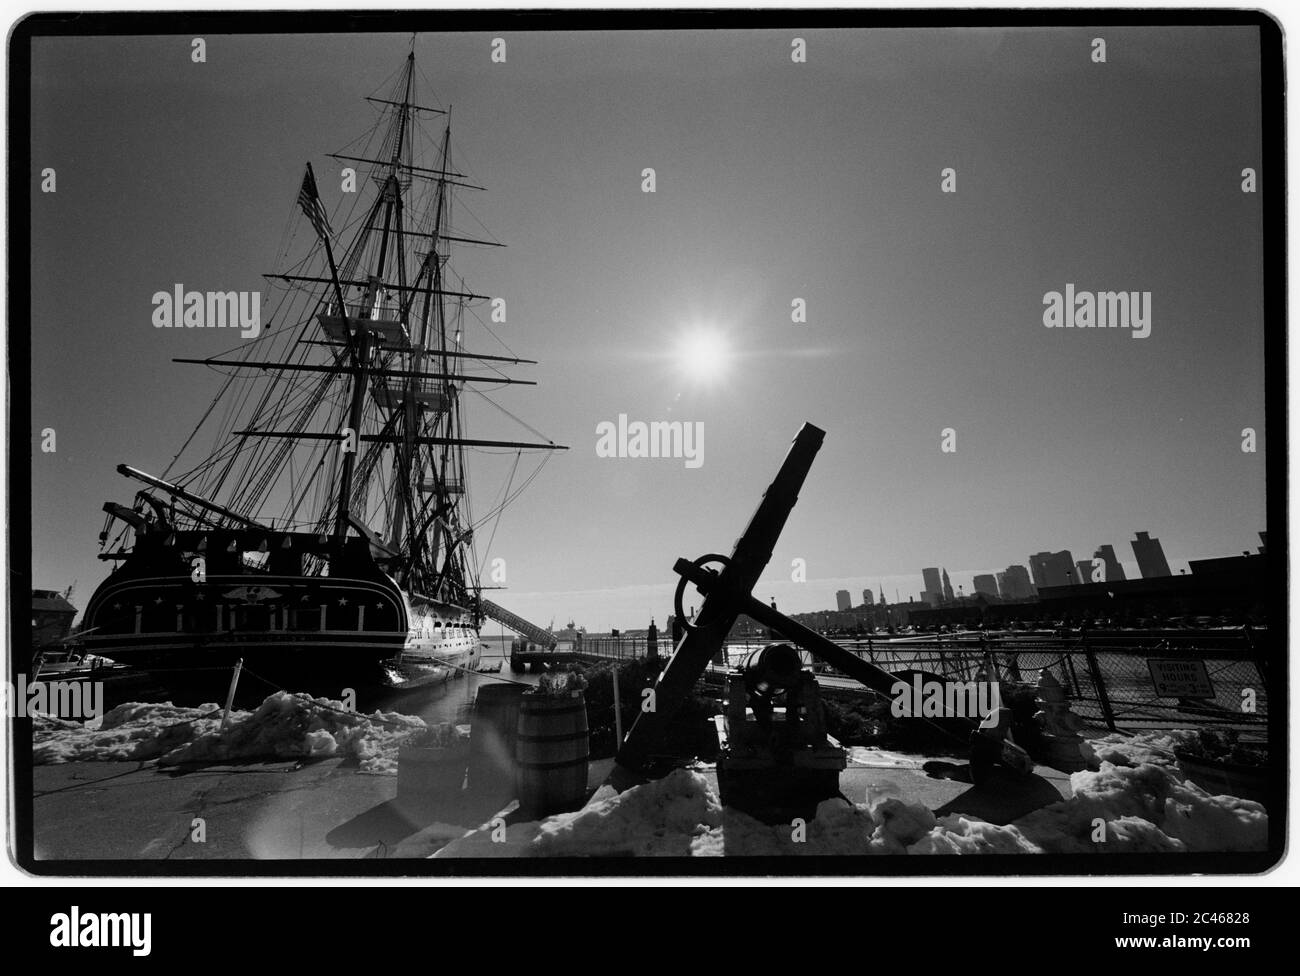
(1105, 552)
(816, 595)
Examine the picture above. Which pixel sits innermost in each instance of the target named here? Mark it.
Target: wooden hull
(317, 634)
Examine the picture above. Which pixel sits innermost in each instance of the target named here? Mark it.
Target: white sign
(1180, 678)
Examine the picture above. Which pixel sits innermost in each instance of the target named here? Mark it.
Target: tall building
(986, 584)
(1053, 569)
(883, 601)
(866, 598)
(933, 585)
(1150, 556)
(947, 587)
(1084, 570)
(842, 600)
(1036, 567)
(1014, 583)
(1114, 571)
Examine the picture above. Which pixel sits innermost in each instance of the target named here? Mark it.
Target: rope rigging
(410, 476)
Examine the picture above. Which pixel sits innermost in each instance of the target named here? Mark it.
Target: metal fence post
(1013, 665)
(1072, 677)
(1099, 683)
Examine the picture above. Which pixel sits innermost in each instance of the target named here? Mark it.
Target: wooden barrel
(551, 753)
(492, 732)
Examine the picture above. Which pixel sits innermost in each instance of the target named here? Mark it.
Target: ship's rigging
(346, 414)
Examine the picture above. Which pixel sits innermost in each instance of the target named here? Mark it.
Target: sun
(703, 355)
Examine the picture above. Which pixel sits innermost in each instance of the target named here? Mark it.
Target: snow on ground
(1156, 747)
(876, 758)
(660, 820)
(133, 731)
(284, 726)
(1137, 791)
(1144, 808)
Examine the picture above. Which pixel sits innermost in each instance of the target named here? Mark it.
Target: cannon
(775, 761)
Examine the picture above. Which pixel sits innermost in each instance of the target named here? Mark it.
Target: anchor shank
(748, 560)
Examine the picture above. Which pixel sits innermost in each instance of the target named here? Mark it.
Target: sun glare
(703, 355)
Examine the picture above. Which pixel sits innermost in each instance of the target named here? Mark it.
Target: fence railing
(620, 648)
(1108, 677)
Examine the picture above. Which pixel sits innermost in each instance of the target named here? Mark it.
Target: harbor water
(453, 701)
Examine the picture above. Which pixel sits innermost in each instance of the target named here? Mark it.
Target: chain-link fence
(1114, 682)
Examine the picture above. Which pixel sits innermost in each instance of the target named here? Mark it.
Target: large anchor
(728, 594)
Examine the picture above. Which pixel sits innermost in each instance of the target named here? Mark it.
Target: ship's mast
(407, 461)
(360, 381)
(383, 381)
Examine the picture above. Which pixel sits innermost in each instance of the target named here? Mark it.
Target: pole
(230, 695)
(1098, 682)
(618, 712)
(354, 424)
(334, 271)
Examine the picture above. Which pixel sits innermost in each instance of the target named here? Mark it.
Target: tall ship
(323, 533)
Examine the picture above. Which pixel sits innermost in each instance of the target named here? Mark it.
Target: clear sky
(775, 180)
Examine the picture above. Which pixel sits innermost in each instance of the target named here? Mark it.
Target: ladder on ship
(543, 638)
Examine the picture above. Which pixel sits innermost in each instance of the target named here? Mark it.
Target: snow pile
(660, 817)
(681, 815)
(664, 816)
(284, 726)
(1146, 808)
(1135, 749)
(287, 726)
(956, 834)
(133, 731)
(886, 826)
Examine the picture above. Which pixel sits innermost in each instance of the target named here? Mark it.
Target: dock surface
(327, 809)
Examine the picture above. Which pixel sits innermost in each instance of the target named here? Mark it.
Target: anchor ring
(700, 562)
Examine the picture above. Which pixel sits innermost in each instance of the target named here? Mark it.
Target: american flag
(309, 200)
